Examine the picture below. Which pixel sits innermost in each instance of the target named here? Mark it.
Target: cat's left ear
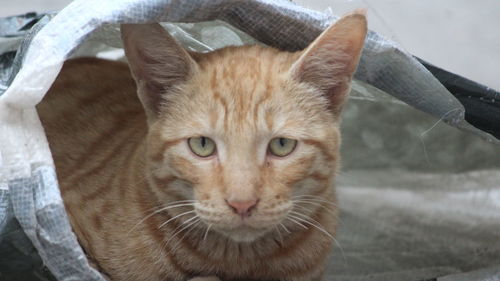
(330, 61)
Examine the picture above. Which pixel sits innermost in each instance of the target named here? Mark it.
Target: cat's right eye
(202, 146)
(282, 147)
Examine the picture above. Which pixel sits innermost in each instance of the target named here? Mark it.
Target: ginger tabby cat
(222, 169)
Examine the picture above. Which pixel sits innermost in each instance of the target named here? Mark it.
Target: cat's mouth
(244, 233)
(244, 228)
(241, 231)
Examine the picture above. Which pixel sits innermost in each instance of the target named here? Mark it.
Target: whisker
(318, 203)
(206, 233)
(306, 217)
(285, 228)
(173, 218)
(183, 201)
(165, 207)
(188, 222)
(310, 223)
(322, 230)
(177, 203)
(178, 244)
(297, 204)
(312, 198)
(162, 209)
(309, 196)
(302, 207)
(279, 235)
(147, 175)
(303, 226)
(184, 228)
(176, 231)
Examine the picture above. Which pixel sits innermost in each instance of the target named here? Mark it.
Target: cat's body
(239, 213)
(97, 139)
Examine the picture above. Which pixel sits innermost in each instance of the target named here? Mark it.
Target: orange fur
(126, 171)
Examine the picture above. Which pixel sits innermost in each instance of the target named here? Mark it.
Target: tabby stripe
(97, 222)
(127, 162)
(159, 156)
(152, 227)
(98, 192)
(323, 188)
(86, 241)
(317, 176)
(217, 97)
(296, 171)
(108, 157)
(163, 182)
(244, 102)
(100, 165)
(267, 95)
(223, 102)
(322, 147)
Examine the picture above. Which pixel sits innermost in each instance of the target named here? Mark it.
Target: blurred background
(461, 36)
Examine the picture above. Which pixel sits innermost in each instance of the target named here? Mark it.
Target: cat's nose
(242, 208)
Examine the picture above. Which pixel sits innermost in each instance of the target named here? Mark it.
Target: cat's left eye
(202, 146)
(282, 147)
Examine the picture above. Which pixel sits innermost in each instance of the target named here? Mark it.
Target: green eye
(281, 147)
(202, 146)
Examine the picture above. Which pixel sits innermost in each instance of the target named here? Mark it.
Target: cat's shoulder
(93, 62)
(91, 66)
(92, 75)
(84, 80)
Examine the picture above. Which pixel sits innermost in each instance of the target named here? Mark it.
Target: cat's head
(247, 136)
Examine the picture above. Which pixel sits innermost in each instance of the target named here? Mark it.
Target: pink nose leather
(242, 208)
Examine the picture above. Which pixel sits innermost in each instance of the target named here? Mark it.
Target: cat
(223, 168)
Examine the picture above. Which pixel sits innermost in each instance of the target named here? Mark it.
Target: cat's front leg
(210, 278)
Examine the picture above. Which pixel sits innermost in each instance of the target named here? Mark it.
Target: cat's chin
(244, 234)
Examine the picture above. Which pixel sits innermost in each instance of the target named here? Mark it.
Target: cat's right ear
(157, 62)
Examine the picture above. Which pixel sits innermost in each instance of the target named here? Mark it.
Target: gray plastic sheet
(419, 199)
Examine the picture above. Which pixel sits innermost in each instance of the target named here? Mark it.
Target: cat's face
(246, 138)
(244, 141)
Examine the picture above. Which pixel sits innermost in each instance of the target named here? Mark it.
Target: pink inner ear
(330, 61)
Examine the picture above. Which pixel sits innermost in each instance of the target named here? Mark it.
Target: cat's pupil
(203, 141)
(282, 141)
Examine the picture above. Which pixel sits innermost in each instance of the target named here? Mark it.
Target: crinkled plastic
(419, 199)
